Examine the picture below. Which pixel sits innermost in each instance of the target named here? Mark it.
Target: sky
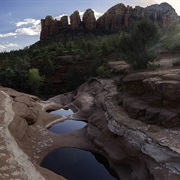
(20, 19)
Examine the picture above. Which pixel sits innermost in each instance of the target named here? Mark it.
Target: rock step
(140, 110)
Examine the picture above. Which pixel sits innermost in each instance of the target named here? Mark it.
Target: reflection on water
(76, 164)
(63, 112)
(67, 126)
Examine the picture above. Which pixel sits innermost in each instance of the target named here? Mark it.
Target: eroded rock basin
(73, 163)
(77, 164)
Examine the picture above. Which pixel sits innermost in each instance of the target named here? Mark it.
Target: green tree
(137, 45)
(35, 80)
(13, 73)
(46, 66)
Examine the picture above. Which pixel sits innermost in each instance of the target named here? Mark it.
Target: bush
(13, 73)
(176, 62)
(153, 66)
(74, 78)
(35, 80)
(101, 71)
(136, 46)
(170, 38)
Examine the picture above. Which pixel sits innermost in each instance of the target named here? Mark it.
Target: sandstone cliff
(116, 18)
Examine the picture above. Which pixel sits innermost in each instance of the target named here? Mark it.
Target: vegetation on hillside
(27, 70)
(170, 38)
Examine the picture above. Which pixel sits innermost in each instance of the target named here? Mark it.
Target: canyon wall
(116, 18)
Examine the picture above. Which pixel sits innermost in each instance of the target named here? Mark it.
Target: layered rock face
(116, 18)
(153, 97)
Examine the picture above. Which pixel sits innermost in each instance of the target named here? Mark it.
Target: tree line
(26, 70)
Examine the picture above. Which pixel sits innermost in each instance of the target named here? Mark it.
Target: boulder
(21, 109)
(168, 119)
(151, 115)
(25, 100)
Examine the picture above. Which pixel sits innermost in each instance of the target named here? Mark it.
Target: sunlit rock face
(116, 18)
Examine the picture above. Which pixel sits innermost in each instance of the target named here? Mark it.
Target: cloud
(30, 31)
(7, 35)
(60, 16)
(96, 14)
(8, 46)
(33, 29)
(27, 22)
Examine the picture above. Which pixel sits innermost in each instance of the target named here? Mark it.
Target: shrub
(137, 45)
(176, 62)
(171, 38)
(153, 66)
(74, 78)
(35, 80)
(101, 71)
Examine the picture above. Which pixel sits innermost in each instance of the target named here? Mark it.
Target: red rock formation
(126, 16)
(64, 21)
(75, 20)
(120, 16)
(113, 18)
(116, 18)
(89, 20)
(49, 26)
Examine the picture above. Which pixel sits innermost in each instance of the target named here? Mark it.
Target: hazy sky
(20, 19)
